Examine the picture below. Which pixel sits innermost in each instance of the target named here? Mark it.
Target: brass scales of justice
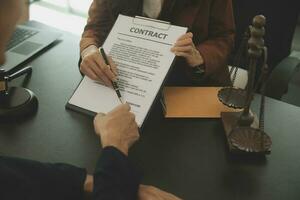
(245, 134)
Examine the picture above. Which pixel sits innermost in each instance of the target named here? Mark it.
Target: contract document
(141, 49)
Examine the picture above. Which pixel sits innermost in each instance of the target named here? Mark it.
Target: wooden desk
(187, 157)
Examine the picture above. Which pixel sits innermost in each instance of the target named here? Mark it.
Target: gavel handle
(23, 71)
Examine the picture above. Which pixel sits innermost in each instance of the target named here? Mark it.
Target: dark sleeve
(115, 178)
(36, 180)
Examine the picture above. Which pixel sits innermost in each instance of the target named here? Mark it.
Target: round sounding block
(17, 103)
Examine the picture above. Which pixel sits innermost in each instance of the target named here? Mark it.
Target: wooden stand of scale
(244, 133)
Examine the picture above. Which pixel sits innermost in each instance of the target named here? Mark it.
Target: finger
(149, 193)
(101, 75)
(98, 59)
(132, 116)
(163, 194)
(113, 66)
(109, 73)
(128, 118)
(101, 114)
(104, 67)
(185, 36)
(98, 117)
(133, 137)
(156, 193)
(184, 42)
(132, 121)
(168, 196)
(182, 54)
(136, 132)
(90, 73)
(127, 106)
(87, 68)
(84, 69)
(122, 108)
(135, 126)
(186, 49)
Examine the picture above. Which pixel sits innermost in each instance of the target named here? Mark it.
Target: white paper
(141, 50)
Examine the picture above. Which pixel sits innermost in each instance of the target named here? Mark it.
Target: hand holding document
(141, 49)
(122, 136)
(185, 47)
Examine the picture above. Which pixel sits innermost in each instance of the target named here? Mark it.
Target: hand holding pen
(93, 65)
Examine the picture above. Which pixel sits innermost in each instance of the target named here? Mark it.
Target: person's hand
(118, 128)
(152, 193)
(185, 47)
(93, 65)
(88, 184)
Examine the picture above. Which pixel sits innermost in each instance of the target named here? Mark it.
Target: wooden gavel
(15, 102)
(4, 79)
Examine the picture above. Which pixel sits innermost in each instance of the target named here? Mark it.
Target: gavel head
(3, 82)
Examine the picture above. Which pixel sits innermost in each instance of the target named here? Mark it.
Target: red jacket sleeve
(216, 49)
(99, 23)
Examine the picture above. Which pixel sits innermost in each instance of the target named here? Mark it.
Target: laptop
(26, 42)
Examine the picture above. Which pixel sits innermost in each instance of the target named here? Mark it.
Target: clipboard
(148, 22)
(141, 22)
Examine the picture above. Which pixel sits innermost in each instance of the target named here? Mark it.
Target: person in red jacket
(204, 50)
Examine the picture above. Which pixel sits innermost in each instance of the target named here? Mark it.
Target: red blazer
(211, 22)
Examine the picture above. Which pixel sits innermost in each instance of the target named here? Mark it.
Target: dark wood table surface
(188, 157)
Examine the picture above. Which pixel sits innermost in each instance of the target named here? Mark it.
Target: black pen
(114, 83)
